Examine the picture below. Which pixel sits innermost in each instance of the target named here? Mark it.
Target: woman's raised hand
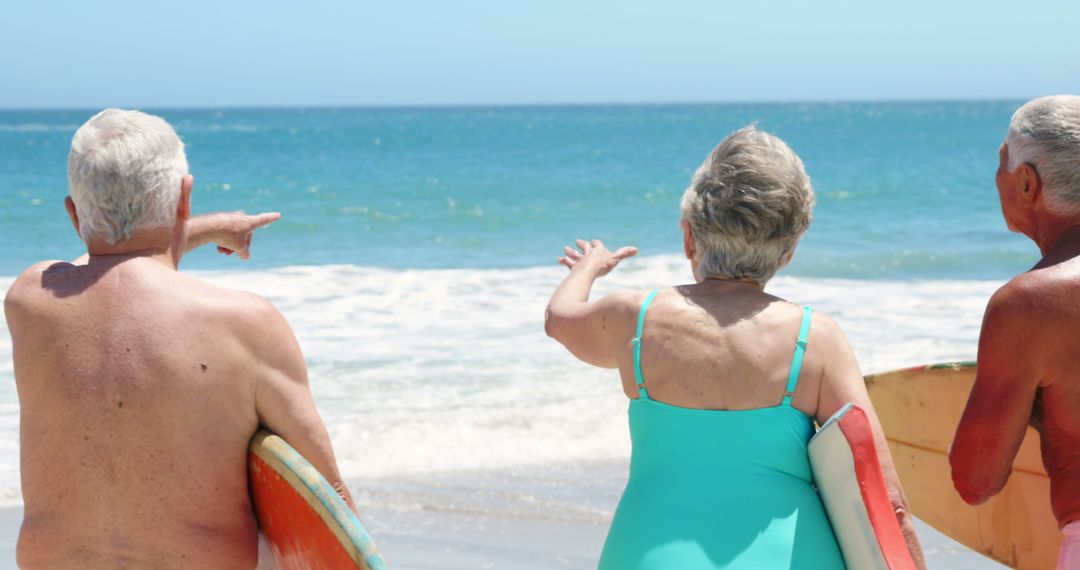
(593, 254)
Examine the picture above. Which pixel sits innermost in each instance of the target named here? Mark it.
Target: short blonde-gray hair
(124, 174)
(747, 206)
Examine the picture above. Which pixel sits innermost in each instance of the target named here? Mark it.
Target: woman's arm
(841, 383)
(582, 327)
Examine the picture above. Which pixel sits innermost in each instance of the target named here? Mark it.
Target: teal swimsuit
(719, 489)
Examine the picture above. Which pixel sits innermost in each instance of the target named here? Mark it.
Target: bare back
(729, 349)
(137, 395)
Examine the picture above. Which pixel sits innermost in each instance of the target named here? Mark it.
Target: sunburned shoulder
(1028, 295)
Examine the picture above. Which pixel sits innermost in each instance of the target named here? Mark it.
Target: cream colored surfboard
(919, 410)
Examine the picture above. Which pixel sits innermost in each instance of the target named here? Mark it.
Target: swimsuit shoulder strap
(638, 377)
(796, 361)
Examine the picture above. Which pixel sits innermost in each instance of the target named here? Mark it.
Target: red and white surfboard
(848, 477)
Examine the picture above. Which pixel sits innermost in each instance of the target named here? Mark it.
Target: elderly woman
(720, 409)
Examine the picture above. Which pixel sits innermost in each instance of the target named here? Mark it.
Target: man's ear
(689, 247)
(1032, 182)
(183, 205)
(69, 205)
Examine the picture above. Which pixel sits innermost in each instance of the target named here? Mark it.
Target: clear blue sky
(91, 54)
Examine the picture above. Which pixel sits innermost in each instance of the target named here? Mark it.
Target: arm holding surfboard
(283, 398)
(842, 383)
(999, 409)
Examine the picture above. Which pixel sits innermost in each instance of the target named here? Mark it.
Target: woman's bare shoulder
(624, 300)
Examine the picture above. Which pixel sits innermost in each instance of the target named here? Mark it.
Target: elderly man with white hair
(1029, 355)
(140, 386)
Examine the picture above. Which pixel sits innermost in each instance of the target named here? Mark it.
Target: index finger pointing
(260, 220)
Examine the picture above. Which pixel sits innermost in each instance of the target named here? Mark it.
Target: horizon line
(482, 105)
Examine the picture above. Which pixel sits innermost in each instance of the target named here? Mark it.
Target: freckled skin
(139, 389)
(1029, 358)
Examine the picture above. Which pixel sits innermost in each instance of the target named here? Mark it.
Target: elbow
(972, 493)
(551, 324)
(972, 486)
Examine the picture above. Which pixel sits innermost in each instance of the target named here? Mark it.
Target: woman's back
(720, 479)
(724, 345)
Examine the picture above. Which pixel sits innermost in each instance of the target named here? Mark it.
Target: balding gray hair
(747, 206)
(1045, 133)
(124, 174)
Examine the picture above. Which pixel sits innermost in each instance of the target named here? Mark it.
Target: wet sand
(539, 518)
(552, 517)
(418, 540)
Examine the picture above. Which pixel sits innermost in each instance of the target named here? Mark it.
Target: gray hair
(747, 206)
(124, 174)
(1045, 133)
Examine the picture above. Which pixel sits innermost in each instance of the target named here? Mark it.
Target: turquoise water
(417, 252)
(905, 189)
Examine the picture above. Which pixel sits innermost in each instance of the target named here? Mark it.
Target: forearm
(203, 229)
(574, 290)
(907, 527)
(976, 478)
(986, 442)
(897, 498)
(584, 328)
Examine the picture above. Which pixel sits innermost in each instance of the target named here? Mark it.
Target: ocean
(417, 251)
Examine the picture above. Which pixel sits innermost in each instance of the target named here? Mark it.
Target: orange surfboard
(305, 522)
(919, 409)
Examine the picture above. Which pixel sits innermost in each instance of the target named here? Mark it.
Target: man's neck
(1066, 237)
(153, 244)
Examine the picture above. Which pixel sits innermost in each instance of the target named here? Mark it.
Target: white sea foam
(427, 371)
